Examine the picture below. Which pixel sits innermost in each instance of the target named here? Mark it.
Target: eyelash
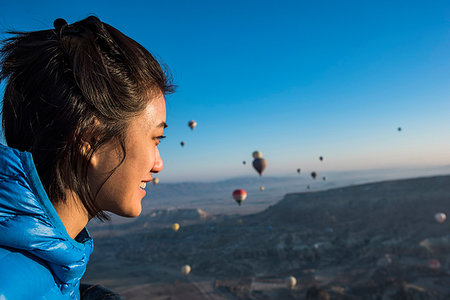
(159, 138)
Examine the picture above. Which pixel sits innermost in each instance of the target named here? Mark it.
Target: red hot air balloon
(434, 264)
(239, 195)
(259, 164)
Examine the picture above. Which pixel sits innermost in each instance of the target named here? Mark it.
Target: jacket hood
(29, 222)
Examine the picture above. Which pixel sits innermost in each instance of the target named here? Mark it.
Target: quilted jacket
(38, 259)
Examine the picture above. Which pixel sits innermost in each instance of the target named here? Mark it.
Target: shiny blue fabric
(38, 259)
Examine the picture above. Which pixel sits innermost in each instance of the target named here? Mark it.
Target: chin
(130, 212)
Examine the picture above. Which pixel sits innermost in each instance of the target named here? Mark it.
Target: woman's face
(122, 193)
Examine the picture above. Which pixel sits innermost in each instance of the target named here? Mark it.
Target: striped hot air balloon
(239, 195)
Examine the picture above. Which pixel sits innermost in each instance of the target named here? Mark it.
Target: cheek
(142, 160)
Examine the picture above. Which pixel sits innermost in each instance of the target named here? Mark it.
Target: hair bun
(59, 23)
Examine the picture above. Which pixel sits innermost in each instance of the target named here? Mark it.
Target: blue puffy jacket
(38, 259)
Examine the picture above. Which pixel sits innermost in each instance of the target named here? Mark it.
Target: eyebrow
(162, 124)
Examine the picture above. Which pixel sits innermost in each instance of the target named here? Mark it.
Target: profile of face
(123, 191)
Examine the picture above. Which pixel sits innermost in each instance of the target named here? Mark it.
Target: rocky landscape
(368, 241)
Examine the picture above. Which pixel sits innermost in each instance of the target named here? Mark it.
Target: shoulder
(24, 276)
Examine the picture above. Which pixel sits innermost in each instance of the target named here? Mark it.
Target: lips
(144, 182)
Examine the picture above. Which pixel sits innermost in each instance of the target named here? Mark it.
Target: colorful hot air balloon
(434, 264)
(290, 282)
(155, 181)
(175, 227)
(186, 269)
(182, 144)
(313, 175)
(259, 164)
(192, 124)
(257, 154)
(239, 195)
(440, 217)
(261, 188)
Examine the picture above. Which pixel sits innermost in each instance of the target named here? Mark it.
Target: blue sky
(293, 79)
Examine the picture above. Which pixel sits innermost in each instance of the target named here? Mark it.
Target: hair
(70, 86)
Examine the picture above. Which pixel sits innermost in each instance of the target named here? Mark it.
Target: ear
(85, 152)
(85, 147)
(87, 141)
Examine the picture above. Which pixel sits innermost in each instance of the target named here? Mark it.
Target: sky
(293, 79)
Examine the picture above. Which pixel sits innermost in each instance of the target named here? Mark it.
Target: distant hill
(402, 201)
(216, 197)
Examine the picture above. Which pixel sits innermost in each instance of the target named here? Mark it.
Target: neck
(72, 213)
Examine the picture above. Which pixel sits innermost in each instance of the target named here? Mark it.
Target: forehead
(154, 113)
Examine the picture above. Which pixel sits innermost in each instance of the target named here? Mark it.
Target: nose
(158, 165)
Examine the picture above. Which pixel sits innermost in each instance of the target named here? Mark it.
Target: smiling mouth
(142, 185)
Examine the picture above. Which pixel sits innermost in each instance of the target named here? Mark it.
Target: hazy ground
(370, 241)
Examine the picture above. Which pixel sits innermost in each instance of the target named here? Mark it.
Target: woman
(83, 113)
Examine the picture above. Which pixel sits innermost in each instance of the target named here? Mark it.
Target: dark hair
(72, 85)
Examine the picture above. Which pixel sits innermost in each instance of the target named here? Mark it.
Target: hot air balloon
(192, 124)
(434, 264)
(244, 162)
(239, 195)
(261, 188)
(182, 144)
(155, 181)
(259, 164)
(321, 158)
(186, 269)
(257, 154)
(290, 282)
(399, 129)
(313, 175)
(175, 227)
(388, 258)
(324, 178)
(298, 171)
(308, 187)
(440, 217)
